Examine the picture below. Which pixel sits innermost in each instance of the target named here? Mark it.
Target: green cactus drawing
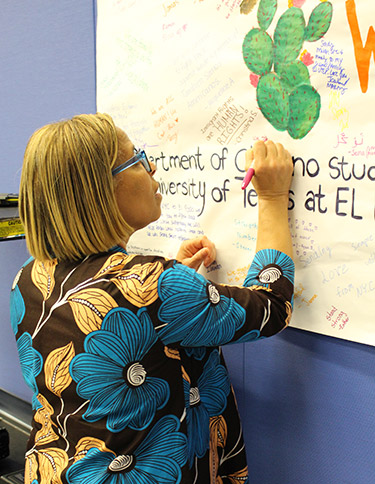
(285, 95)
(293, 74)
(288, 37)
(273, 100)
(266, 12)
(319, 22)
(304, 109)
(258, 51)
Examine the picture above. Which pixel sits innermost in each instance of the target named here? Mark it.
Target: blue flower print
(31, 365)
(111, 375)
(198, 353)
(195, 313)
(158, 460)
(252, 335)
(207, 399)
(261, 275)
(17, 308)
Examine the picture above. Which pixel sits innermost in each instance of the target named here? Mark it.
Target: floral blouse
(122, 353)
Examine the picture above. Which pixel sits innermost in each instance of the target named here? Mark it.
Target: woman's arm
(198, 312)
(273, 168)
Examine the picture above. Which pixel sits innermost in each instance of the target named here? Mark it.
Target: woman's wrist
(273, 226)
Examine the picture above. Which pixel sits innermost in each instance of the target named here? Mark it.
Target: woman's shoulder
(117, 259)
(114, 272)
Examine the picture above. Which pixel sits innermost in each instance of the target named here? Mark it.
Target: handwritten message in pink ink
(337, 318)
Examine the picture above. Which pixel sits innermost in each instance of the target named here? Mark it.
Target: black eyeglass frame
(140, 156)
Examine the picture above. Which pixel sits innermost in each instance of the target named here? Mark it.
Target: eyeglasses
(139, 156)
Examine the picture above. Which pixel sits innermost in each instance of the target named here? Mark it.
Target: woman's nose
(153, 168)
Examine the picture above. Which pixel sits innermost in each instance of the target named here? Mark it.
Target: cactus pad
(289, 36)
(266, 12)
(273, 101)
(319, 21)
(304, 105)
(257, 51)
(293, 74)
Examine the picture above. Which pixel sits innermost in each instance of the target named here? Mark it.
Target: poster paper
(196, 82)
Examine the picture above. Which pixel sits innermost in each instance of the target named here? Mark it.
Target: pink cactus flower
(298, 3)
(307, 59)
(254, 79)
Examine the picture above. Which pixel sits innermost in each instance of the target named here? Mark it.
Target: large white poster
(196, 82)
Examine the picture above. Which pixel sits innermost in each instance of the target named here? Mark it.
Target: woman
(122, 351)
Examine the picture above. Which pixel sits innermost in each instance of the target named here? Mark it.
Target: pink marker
(249, 175)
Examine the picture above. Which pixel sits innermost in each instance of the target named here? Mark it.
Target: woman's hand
(194, 252)
(273, 168)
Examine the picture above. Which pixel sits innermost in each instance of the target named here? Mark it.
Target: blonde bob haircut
(67, 200)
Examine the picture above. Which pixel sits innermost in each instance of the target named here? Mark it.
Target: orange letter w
(362, 53)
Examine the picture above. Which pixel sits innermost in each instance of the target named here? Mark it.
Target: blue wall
(306, 400)
(47, 72)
